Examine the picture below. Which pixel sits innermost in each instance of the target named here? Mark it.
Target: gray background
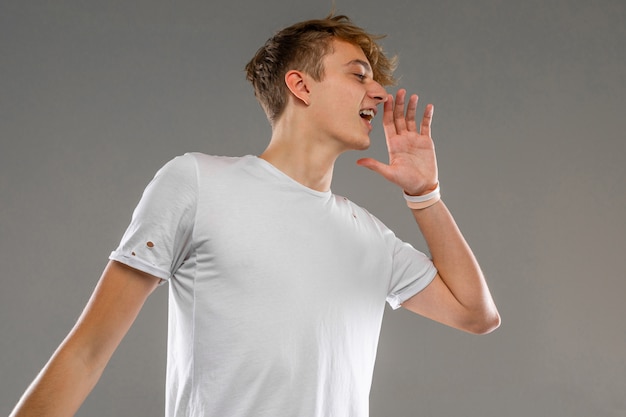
(529, 128)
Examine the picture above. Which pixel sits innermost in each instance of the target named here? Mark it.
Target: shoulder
(189, 164)
(207, 164)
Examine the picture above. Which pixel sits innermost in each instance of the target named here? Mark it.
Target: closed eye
(361, 77)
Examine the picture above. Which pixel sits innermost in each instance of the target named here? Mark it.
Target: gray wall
(529, 127)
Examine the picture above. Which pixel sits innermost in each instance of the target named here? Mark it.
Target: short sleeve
(412, 271)
(159, 236)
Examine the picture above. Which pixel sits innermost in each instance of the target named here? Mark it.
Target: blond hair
(302, 47)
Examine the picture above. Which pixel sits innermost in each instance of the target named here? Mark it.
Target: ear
(297, 83)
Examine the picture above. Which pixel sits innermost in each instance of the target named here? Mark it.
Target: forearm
(76, 366)
(457, 266)
(61, 386)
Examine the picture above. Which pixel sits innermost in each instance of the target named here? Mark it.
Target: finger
(398, 111)
(388, 126)
(376, 166)
(411, 110)
(427, 120)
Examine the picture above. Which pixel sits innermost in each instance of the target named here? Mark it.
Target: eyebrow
(362, 63)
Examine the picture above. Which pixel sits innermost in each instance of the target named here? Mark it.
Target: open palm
(412, 162)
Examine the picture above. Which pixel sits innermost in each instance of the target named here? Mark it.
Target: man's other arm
(458, 296)
(77, 364)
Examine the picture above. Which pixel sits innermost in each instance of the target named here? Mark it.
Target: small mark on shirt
(149, 244)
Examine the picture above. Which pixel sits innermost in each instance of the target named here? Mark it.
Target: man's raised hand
(412, 161)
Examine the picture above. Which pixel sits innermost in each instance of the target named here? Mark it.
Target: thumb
(376, 166)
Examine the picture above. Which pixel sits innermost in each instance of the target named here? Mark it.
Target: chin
(355, 143)
(360, 143)
(361, 146)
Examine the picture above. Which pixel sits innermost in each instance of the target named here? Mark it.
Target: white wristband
(419, 202)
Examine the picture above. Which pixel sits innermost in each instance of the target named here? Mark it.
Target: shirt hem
(140, 264)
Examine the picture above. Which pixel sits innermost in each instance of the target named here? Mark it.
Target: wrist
(419, 202)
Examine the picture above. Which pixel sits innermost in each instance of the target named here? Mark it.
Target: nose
(377, 92)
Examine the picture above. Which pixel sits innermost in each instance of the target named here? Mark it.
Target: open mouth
(367, 114)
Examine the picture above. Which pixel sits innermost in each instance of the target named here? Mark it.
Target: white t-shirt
(277, 291)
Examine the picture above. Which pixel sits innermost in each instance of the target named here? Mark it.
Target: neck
(302, 155)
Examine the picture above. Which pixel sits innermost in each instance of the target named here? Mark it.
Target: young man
(277, 286)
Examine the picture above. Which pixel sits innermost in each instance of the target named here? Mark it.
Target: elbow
(485, 324)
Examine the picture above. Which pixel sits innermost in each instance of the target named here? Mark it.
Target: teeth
(367, 114)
